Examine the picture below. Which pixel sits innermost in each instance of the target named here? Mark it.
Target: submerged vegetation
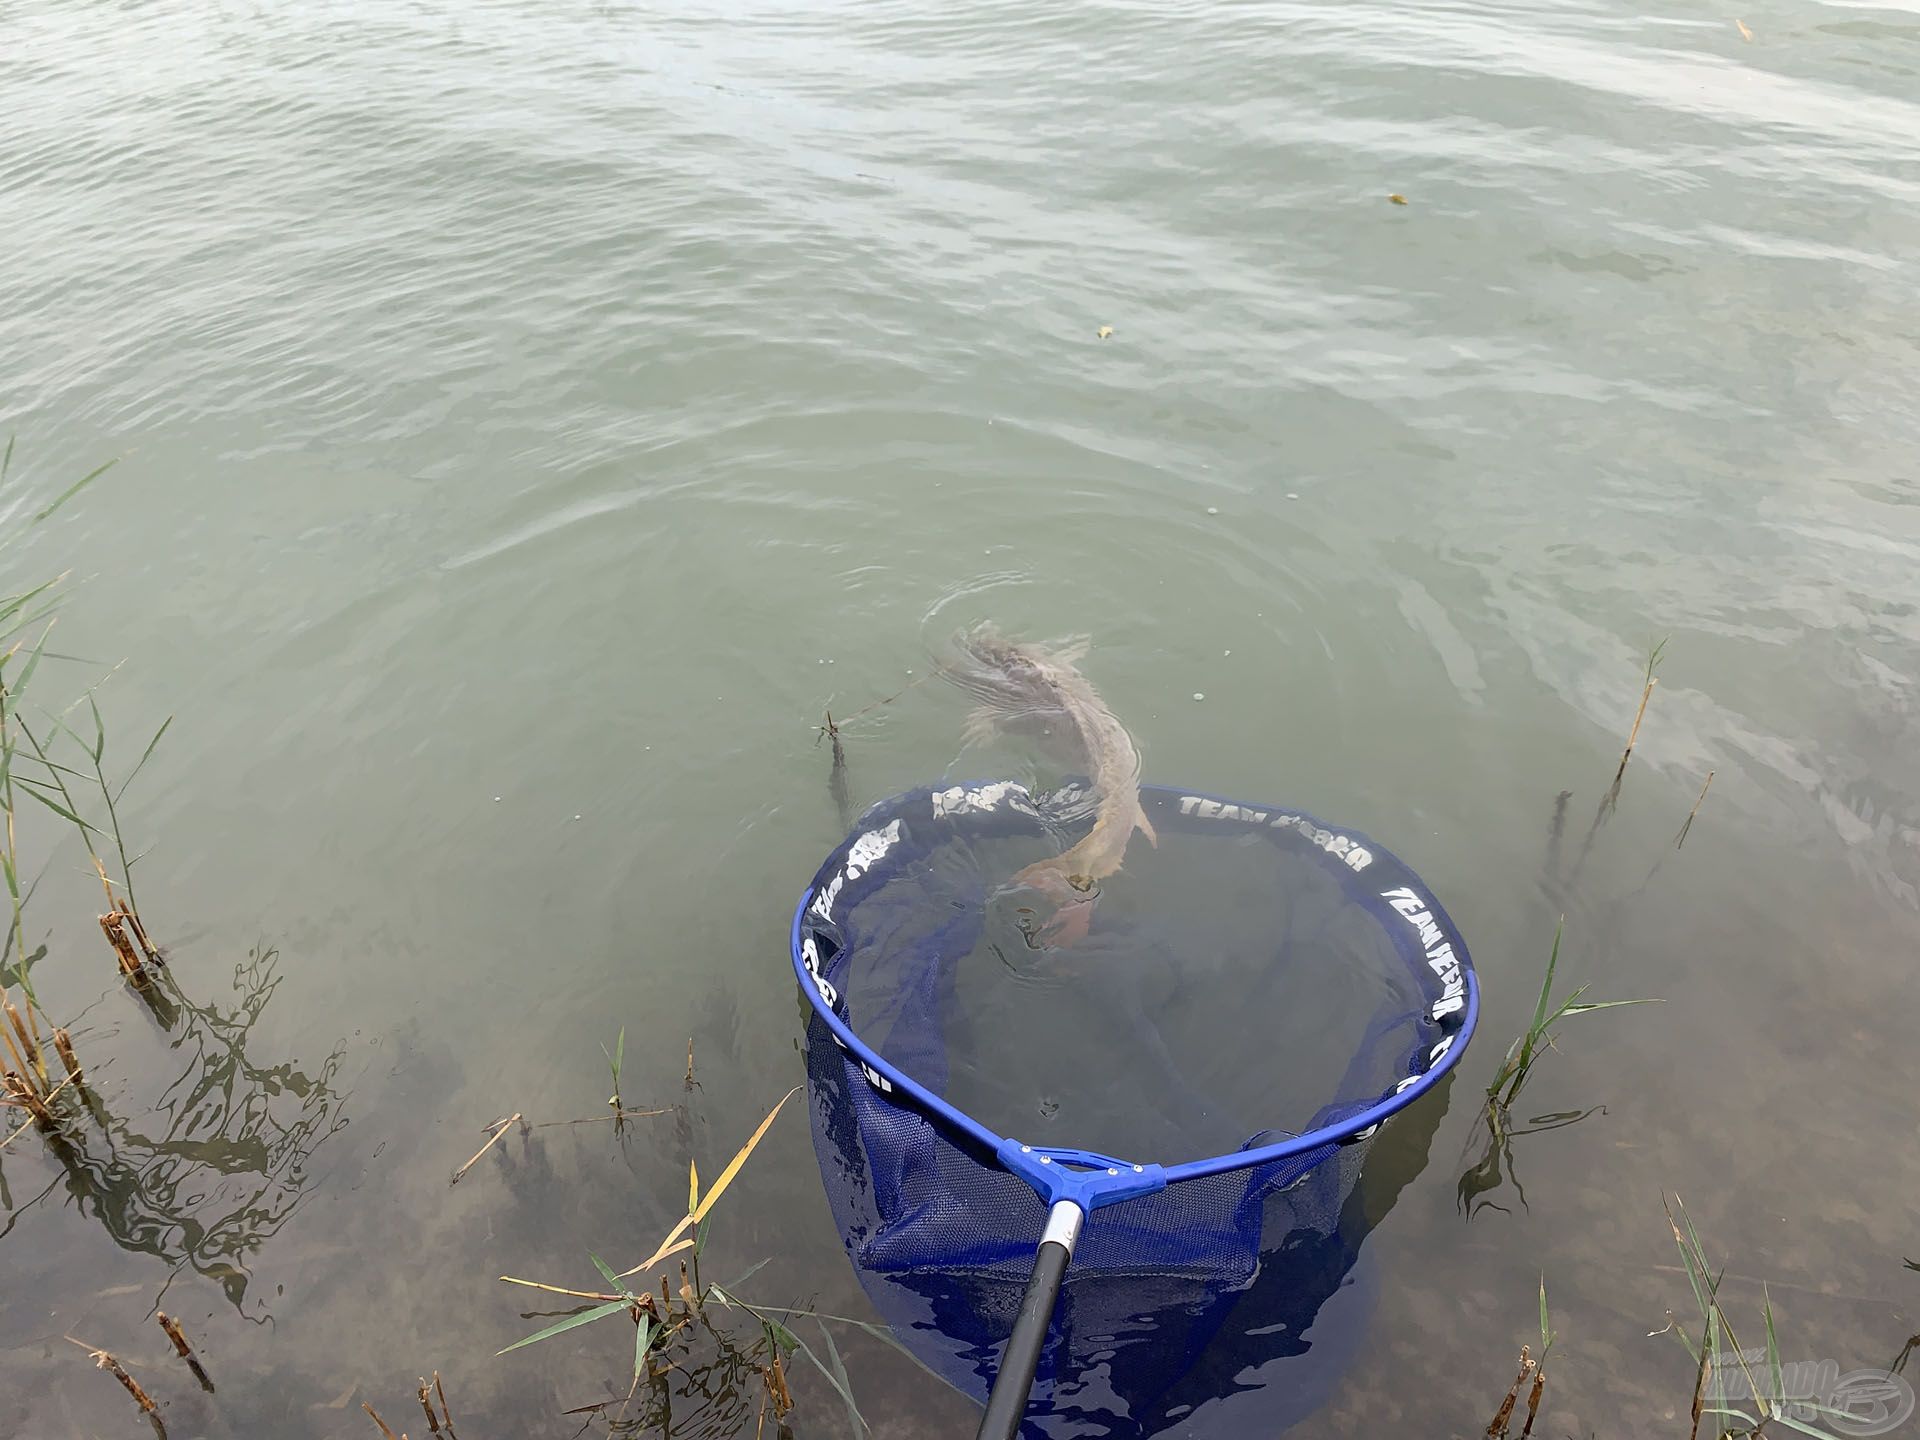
(1527, 1049)
(27, 618)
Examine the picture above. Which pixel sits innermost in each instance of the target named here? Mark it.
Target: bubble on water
(1213, 509)
(1292, 496)
(1199, 695)
(1226, 652)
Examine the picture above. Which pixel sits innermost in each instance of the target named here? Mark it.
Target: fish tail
(1145, 827)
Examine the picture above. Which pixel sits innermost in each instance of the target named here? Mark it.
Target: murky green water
(534, 419)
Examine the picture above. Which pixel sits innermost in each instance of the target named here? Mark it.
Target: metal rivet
(1026, 1149)
(1046, 1159)
(1139, 1169)
(1113, 1172)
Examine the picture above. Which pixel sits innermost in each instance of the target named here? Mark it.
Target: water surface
(534, 420)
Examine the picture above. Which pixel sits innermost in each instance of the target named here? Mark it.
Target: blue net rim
(1456, 1012)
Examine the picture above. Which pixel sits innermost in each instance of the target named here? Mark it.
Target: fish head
(1071, 897)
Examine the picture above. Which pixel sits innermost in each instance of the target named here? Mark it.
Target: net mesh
(1254, 976)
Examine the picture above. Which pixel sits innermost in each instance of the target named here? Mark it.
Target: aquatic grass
(1681, 838)
(1608, 801)
(1718, 1351)
(1532, 1377)
(1527, 1048)
(1649, 680)
(673, 1315)
(614, 1061)
(122, 918)
(44, 779)
(1739, 1392)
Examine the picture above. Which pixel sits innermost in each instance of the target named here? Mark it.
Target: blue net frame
(940, 1213)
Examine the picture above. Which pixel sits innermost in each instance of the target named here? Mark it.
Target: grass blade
(673, 1243)
(15, 690)
(606, 1272)
(1546, 1334)
(73, 489)
(1774, 1372)
(14, 604)
(642, 1338)
(719, 1187)
(31, 787)
(838, 1375)
(1572, 1009)
(572, 1322)
(751, 1271)
(145, 755)
(1546, 984)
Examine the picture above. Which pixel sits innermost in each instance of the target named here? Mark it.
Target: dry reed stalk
(20, 1092)
(384, 1430)
(690, 1082)
(38, 1104)
(1681, 838)
(777, 1382)
(111, 927)
(426, 1404)
(1646, 694)
(446, 1410)
(184, 1350)
(499, 1129)
(1634, 734)
(1533, 1401)
(63, 1044)
(175, 1334)
(1497, 1427)
(147, 947)
(106, 1362)
(30, 1051)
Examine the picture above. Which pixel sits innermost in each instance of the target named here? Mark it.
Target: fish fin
(1145, 827)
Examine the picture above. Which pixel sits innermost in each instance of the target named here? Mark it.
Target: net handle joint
(1079, 1177)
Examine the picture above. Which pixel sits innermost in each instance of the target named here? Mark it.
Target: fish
(1036, 691)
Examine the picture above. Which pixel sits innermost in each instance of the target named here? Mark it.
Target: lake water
(532, 421)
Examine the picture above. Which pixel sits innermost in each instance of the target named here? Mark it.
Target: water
(533, 421)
